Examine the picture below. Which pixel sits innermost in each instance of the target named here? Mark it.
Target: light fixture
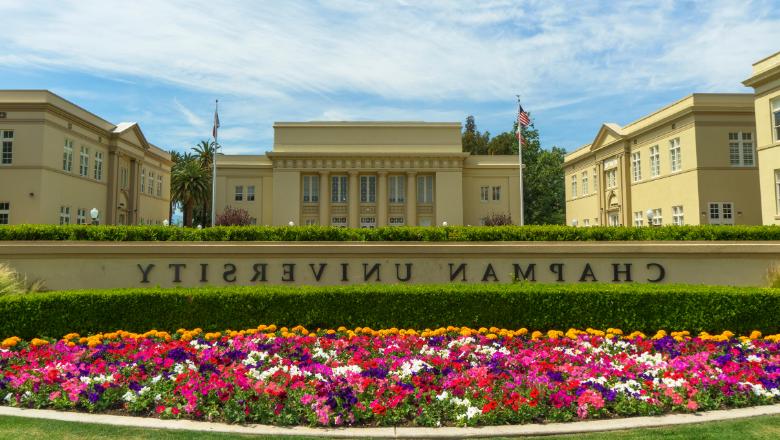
(444, 223)
(291, 223)
(94, 214)
(165, 222)
(200, 227)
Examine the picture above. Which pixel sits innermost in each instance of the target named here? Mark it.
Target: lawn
(766, 427)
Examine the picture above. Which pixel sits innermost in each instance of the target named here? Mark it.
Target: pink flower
(692, 405)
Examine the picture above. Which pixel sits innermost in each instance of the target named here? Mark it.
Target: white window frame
(368, 222)
(720, 213)
(639, 218)
(776, 119)
(368, 189)
(250, 193)
(675, 155)
(311, 189)
(339, 189)
(655, 161)
(611, 178)
(678, 215)
(777, 191)
(614, 219)
(397, 189)
(84, 161)
(5, 213)
(150, 187)
(742, 151)
(143, 180)
(586, 222)
(595, 181)
(425, 189)
(7, 152)
(574, 186)
(585, 186)
(496, 190)
(98, 168)
(159, 185)
(81, 216)
(484, 194)
(123, 180)
(658, 218)
(238, 194)
(67, 156)
(64, 215)
(636, 166)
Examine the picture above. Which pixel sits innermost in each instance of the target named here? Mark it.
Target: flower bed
(447, 376)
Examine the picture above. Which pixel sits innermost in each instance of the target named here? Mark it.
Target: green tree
(190, 185)
(204, 153)
(473, 141)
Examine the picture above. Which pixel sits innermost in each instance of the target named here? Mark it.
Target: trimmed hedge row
(534, 306)
(396, 233)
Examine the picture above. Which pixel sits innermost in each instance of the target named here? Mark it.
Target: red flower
(160, 409)
(490, 406)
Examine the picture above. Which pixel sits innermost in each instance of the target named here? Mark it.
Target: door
(721, 213)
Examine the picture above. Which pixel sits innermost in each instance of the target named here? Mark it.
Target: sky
(574, 64)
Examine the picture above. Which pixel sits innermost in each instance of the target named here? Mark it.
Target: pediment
(608, 134)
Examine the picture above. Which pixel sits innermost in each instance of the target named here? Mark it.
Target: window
(397, 189)
(658, 219)
(484, 193)
(123, 177)
(721, 213)
(81, 216)
(150, 187)
(310, 222)
(159, 185)
(67, 156)
(339, 221)
(586, 222)
(424, 189)
(311, 189)
(98, 173)
(338, 190)
(574, 185)
(396, 221)
(639, 219)
(496, 193)
(143, 180)
(611, 178)
(614, 219)
(677, 215)
(368, 222)
(636, 166)
(250, 193)
(64, 215)
(8, 147)
(777, 190)
(776, 118)
(595, 181)
(367, 189)
(655, 161)
(585, 183)
(84, 161)
(674, 154)
(741, 149)
(5, 212)
(239, 193)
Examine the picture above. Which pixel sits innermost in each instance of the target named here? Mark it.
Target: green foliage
(389, 233)
(543, 186)
(12, 282)
(534, 306)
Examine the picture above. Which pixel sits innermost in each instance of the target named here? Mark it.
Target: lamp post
(94, 213)
(291, 223)
(650, 216)
(444, 223)
(165, 222)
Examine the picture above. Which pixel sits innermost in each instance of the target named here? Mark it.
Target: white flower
(129, 396)
(442, 396)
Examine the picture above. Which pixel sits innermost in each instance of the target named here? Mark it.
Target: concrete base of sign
(401, 432)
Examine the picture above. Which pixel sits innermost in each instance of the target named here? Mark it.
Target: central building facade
(369, 174)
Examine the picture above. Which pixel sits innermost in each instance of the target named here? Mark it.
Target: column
(108, 217)
(411, 198)
(381, 199)
(354, 200)
(324, 198)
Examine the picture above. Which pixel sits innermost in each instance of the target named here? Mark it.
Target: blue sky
(575, 64)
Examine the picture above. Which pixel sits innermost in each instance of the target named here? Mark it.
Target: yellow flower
(10, 342)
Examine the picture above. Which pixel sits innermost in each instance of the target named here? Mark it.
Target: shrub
(234, 217)
(494, 219)
(390, 233)
(535, 306)
(12, 282)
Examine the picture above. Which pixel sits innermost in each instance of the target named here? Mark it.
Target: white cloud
(192, 118)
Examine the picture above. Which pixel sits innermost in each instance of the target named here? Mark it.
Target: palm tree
(176, 158)
(204, 153)
(190, 185)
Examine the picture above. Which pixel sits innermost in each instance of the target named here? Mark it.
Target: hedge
(534, 306)
(395, 233)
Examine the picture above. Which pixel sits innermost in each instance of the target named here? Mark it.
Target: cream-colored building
(766, 82)
(59, 161)
(692, 162)
(368, 174)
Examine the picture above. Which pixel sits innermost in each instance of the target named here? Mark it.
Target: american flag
(522, 117)
(216, 122)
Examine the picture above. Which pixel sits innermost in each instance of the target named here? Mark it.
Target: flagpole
(214, 168)
(520, 158)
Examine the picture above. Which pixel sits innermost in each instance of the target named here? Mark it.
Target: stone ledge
(402, 432)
